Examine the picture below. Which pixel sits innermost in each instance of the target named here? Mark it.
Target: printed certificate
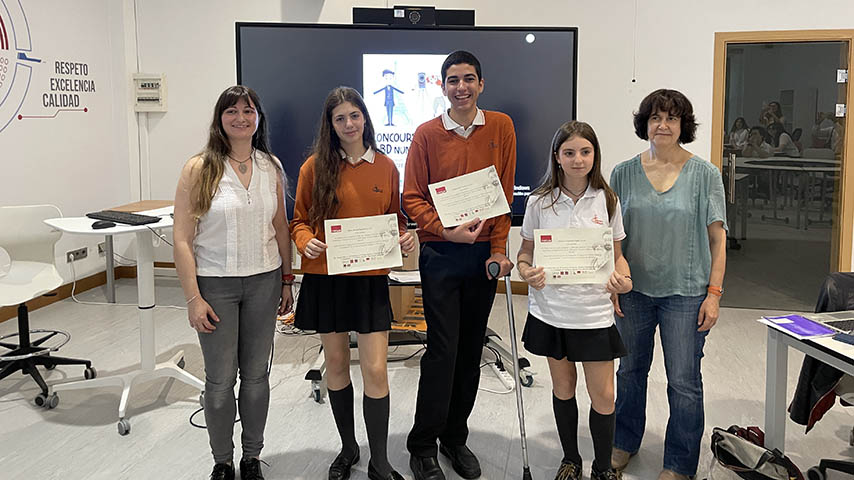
(362, 243)
(473, 195)
(575, 255)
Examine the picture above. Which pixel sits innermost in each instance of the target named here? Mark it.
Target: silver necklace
(242, 165)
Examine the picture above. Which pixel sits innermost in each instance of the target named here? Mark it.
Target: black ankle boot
(223, 471)
(250, 469)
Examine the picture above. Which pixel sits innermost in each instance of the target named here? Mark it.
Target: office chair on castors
(31, 273)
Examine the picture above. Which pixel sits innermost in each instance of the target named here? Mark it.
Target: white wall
(77, 161)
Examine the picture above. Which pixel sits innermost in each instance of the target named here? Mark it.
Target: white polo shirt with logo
(571, 306)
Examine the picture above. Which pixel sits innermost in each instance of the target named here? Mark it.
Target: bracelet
(287, 283)
(519, 262)
(192, 298)
(288, 277)
(716, 291)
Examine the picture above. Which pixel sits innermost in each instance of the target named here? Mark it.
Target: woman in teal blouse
(675, 222)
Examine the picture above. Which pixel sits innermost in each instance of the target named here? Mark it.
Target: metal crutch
(494, 268)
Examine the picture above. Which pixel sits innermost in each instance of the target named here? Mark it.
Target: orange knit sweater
(364, 189)
(437, 154)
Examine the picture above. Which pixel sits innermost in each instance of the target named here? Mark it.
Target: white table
(834, 353)
(802, 167)
(149, 370)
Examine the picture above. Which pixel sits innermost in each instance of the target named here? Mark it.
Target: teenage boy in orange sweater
(457, 290)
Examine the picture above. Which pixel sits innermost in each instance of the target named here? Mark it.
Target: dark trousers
(457, 299)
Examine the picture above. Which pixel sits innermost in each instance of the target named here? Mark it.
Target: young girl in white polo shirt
(575, 323)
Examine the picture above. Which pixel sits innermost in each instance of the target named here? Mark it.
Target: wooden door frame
(844, 217)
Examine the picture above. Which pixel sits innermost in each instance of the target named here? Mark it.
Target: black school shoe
(340, 468)
(374, 475)
(609, 474)
(463, 460)
(222, 471)
(250, 469)
(426, 468)
(569, 471)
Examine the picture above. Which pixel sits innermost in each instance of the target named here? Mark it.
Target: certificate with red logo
(575, 255)
(362, 243)
(473, 195)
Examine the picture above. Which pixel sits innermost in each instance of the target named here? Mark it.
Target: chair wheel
(124, 427)
(527, 380)
(90, 373)
(202, 399)
(815, 474)
(181, 363)
(50, 366)
(47, 401)
(315, 394)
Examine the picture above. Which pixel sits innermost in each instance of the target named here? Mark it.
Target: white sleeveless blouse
(236, 238)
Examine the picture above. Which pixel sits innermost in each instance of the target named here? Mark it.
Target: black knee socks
(376, 423)
(342, 410)
(602, 431)
(566, 417)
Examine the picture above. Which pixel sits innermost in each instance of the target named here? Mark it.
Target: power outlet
(102, 252)
(74, 255)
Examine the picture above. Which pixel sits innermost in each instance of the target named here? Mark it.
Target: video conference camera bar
(405, 16)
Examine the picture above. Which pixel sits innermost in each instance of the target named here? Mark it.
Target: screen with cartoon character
(528, 73)
(401, 91)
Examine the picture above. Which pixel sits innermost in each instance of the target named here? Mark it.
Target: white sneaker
(619, 459)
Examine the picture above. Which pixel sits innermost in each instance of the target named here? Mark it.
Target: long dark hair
(779, 130)
(554, 175)
(215, 153)
(735, 123)
(327, 159)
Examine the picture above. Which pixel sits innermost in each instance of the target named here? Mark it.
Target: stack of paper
(798, 326)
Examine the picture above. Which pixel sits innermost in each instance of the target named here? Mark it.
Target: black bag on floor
(742, 451)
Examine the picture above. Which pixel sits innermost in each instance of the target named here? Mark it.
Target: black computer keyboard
(123, 217)
(844, 325)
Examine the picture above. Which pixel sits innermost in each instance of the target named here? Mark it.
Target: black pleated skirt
(575, 345)
(341, 303)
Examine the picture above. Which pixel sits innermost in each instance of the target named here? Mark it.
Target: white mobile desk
(145, 287)
(832, 352)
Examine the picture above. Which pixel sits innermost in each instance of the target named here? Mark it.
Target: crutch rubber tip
(526, 474)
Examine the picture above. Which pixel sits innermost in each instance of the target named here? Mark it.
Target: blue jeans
(676, 317)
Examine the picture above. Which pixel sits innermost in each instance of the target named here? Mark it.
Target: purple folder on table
(800, 326)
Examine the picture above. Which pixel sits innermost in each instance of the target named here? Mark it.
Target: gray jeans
(246, 307)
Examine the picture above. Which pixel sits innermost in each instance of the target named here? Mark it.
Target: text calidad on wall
(70, 80)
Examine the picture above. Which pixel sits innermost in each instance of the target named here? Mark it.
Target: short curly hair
(672, 102)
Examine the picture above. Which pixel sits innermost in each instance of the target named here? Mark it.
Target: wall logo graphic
(16, 61)
(61, 92)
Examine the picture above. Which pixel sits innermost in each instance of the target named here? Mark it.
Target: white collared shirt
(368, 156)
(450, 124)
(572, 306)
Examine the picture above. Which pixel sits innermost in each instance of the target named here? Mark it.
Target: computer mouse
(102, 224)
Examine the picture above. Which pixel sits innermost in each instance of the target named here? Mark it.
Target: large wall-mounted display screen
(528, 73)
